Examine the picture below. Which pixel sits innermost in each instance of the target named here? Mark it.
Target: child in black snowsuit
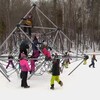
(55, 72)
(92, 61)
(23, 48)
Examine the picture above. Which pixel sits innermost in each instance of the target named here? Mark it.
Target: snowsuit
(10, 58)
(55, 73)
(66, 61)
(85, 59)
(24, 71)
(36, 52)
(32, 63)
(28, 22)
(46, 52)
(92, 62)
(23, 48)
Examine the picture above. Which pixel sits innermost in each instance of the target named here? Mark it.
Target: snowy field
(82, 84)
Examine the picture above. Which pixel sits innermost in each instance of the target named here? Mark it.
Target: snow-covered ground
(82, 84)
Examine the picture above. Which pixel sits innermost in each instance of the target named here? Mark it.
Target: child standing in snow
(55, 72)
(24, 70)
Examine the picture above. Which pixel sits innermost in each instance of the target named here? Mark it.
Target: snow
(82, 84)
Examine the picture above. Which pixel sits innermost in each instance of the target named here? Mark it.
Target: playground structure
(51, 33)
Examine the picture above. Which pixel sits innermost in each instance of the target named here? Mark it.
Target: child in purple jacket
(10, 61)
(24, 70)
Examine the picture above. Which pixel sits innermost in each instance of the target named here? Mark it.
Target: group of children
(23, 57)
(25, 67)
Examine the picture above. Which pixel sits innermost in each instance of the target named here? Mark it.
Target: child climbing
(28, 22)
(55, 72)
(10, 61)
(36, 52)
(92, 61)
(46, 52)
(23, 48)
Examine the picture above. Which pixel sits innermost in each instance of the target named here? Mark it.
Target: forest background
(78, 19)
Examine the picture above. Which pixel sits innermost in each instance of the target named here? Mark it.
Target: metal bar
(46, 17)
(25, 26)
(5, 76)
(36, 69)
(76, 67)
(45, 28)
(54, 38)
(66, 37)
(61, 42)
(16, 27)
(25, 34)
(40, 20)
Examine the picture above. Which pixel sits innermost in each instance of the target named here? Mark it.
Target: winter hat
(45, 43)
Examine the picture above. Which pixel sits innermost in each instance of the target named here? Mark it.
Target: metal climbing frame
(18, 34)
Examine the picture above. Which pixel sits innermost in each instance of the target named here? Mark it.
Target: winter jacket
(93, 59)
(56, 67)
(23, 48)
(24, 65)
(24, 45)
(35, 43)
(46, 52)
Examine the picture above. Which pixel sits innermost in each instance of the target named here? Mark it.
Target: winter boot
(61, 83)
(52, 87)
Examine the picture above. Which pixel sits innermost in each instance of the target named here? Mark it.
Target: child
(28, 24)
(46, 52)
(66, 61)
(10, 61)
(55, 72)
(23, 48)
(36, 52)
(92, 61)
(85, 59)
(24, 70)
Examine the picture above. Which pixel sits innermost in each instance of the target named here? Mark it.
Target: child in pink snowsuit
(46, 52)
(24, 70)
